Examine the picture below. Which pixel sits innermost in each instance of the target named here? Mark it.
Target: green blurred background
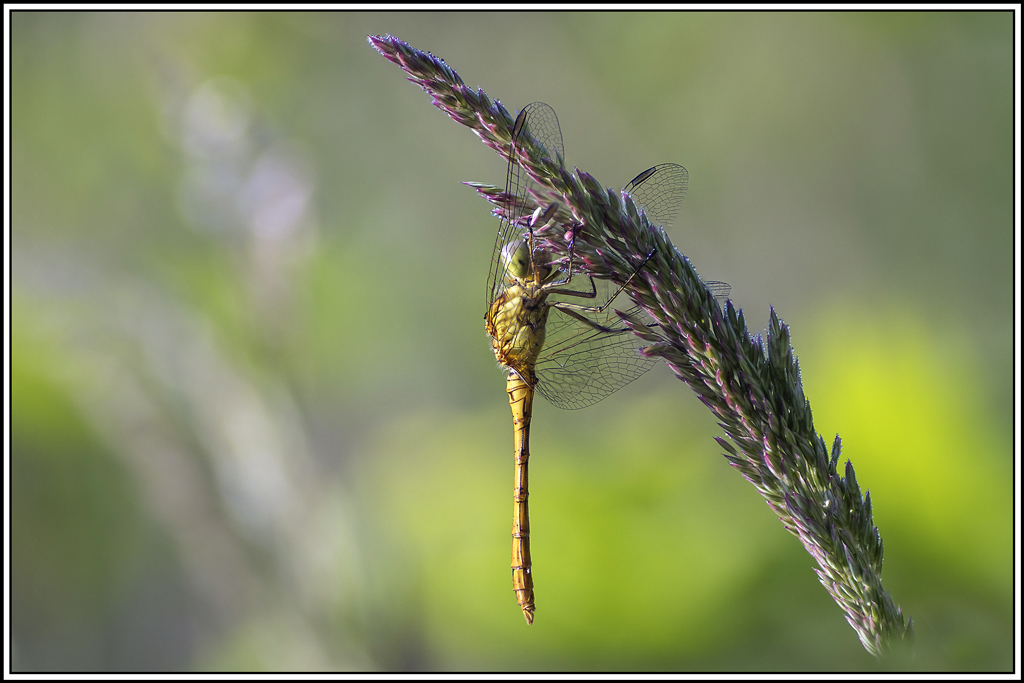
(256, 423)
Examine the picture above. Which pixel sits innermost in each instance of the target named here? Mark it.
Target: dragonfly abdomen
(520, 398)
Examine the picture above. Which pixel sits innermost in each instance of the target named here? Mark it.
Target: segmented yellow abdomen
(520, 398)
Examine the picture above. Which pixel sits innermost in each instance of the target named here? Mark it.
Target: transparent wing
(580, 364)
(721, 290)
(538, 121)
(659, 191)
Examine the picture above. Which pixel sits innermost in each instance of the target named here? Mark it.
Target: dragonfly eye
(516, 256)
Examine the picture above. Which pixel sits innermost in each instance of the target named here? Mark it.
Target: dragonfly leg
(571, 249)
(574, 292)
(565, 306)
(539, 217)
(582, 318)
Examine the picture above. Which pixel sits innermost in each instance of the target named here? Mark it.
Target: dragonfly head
(516, 256)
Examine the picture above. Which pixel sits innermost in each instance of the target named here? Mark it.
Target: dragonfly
(544, 329)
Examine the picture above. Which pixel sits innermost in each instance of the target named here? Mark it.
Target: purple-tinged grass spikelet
(751, 384)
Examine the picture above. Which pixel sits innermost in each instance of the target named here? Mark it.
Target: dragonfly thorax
(516, 322)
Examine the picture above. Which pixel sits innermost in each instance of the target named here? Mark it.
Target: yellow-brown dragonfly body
(574, 355)
(516, 321)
